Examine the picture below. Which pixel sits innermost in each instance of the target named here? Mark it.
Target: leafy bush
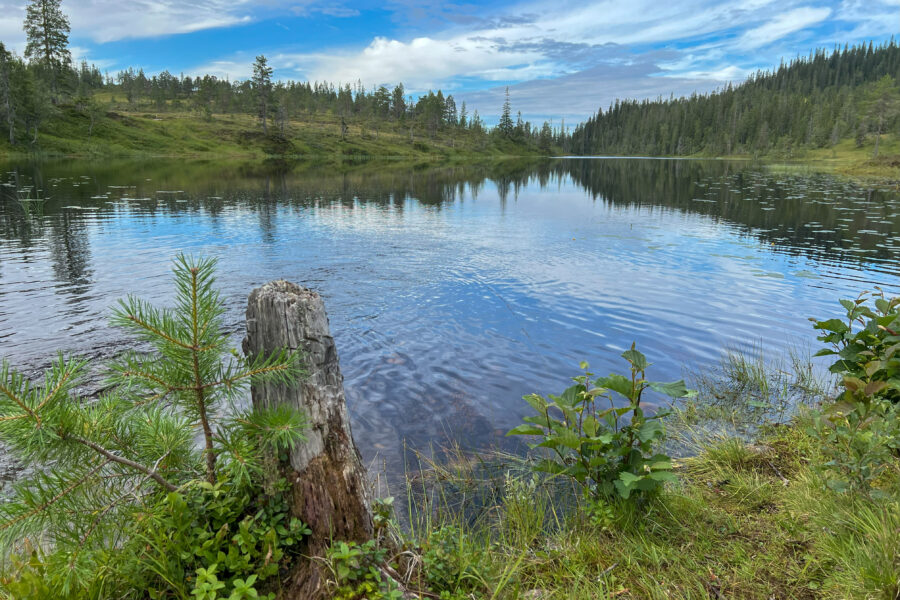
(860, 432)
(610, 450)
(124, 504)
(223, 538)
(357, 572)
(868, 358)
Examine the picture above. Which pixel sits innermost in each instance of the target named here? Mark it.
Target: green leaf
(850, 305)
(525, 430)
(570, 396)
(636, 358)
(570, 439)
(616, 383)
(673, 389)
(628, 479)
(663, 476)
(650, 430)
(834, 325)
(536, 402)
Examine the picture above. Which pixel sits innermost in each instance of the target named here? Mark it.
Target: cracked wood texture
(330, 487)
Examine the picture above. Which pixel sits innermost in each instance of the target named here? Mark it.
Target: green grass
(845, 158)
(750, 517)
(747, 520)
(127, 131)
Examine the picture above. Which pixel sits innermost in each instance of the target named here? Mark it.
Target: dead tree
(330, 488)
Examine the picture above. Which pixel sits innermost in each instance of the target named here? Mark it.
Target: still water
(452, 291)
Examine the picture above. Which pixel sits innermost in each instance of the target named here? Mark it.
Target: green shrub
(860, 432)
(609, 451)
(357, 572)
(224, 538)
(869, 357)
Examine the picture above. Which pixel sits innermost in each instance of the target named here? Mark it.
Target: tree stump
(330, 488)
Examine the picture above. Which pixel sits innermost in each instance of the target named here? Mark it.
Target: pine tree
(262, 87)
(47, 28)
(108, 466)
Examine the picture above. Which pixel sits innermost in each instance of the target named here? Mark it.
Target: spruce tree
(47, 28)
(505, 126)
(262, 87)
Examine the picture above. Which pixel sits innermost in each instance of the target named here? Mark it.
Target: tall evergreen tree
(47, 28)
(262, 87)
(398, 104)
(505, 126)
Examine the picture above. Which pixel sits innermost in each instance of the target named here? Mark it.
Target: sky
(561, 59)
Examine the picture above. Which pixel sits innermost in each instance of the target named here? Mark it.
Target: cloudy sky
(560, 58)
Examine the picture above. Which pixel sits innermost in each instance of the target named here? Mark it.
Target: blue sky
(561, 59)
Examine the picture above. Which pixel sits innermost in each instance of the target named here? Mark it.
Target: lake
(453, 290)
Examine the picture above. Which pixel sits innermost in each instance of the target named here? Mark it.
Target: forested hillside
(50, 105)
(811, 102)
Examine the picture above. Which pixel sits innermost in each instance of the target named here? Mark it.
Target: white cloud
(110, 20)
(420, 64)
(577, 95)
(224, 69)
(783, 25)
(539, 42)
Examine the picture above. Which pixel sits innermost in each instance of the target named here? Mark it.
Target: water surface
(452, 291)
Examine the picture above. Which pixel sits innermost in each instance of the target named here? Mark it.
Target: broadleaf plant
(608, 447)
(860, 431)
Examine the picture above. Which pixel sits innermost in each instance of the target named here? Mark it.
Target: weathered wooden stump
(329, 484)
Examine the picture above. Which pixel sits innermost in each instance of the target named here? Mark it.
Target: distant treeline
(810, 102)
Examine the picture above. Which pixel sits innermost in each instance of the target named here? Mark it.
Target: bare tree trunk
(330, 488)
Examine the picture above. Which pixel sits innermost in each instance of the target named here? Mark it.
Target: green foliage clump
(860, 433)
(610, 450)
(222, 537)
(123, 504)
(357, 572)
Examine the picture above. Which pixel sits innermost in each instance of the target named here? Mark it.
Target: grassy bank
(746, 520)
(844, 158)
(126, 132)
(751, 515)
